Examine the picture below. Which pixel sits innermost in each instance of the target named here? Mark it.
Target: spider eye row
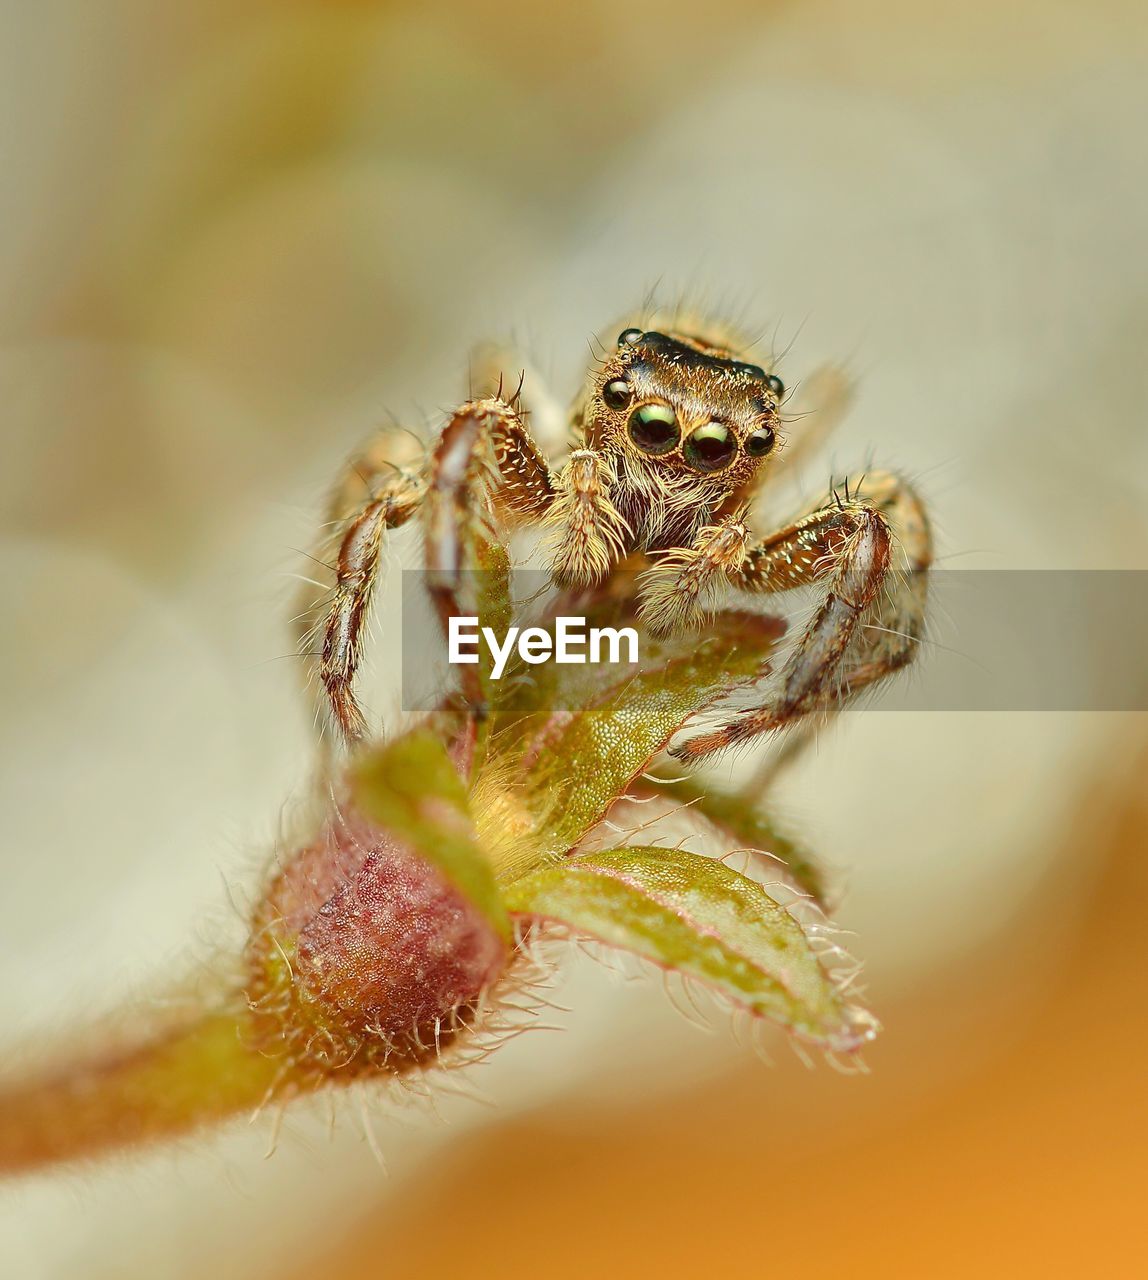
(633, 337)
(654, 428)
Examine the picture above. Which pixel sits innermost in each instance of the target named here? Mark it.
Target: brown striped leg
(496, 368)
(484, 450)
(872, 547)
(380, 488)
(356, 570)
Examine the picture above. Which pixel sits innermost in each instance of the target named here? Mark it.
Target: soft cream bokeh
(235, 236)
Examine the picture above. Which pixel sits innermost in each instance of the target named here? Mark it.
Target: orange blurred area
(1029, 1160)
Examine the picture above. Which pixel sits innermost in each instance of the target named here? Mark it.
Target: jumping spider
(671, 439)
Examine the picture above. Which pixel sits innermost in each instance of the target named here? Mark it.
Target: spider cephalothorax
(682, 424)
(668, 442)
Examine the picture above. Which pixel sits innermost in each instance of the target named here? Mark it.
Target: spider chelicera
(673, 436)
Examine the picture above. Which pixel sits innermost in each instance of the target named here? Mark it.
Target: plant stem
(169, 1084)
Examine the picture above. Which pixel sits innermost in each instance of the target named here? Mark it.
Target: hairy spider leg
(379, 489)
(485, 452)
(496, 366)
(872, 546)
(484, 447)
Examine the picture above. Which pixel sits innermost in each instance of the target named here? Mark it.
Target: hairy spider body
(671, 438)
(683, 386)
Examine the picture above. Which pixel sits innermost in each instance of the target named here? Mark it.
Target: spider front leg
(485, 463)
(484, 447)
(872, 546)
(495, 366)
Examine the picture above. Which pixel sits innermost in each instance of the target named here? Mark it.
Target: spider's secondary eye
(654, 428)
(775, 384)
(617, 394)
(711, 447)
(628, 337)
(758, 443)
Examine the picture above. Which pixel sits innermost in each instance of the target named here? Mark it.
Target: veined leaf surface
(696, 916)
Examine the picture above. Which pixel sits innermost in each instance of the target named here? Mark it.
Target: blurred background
(234, 237)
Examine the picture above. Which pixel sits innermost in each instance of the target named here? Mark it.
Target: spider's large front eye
(617, 394)
(711, 447)
(654, 428)
(775, 384)
(758, 443)
(629, 337)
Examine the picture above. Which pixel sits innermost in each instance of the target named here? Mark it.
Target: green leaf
(698, 917)
(492, 605)
(743, 820)
(577, 763)
(411, 788)
(494, 610)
